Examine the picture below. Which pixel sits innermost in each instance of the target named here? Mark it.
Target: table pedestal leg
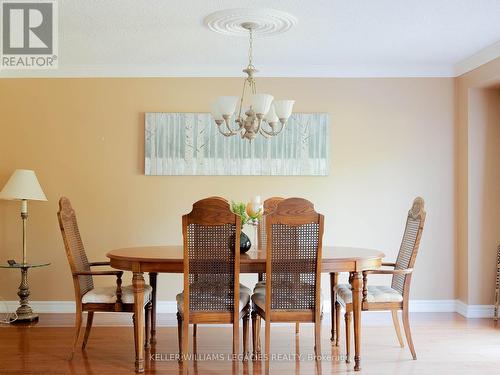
(138, 284)
(357, 297)
(24, 312)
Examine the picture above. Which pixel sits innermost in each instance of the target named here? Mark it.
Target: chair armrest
(389, 272)
(385, 264)
(92, 264)
(98, 273)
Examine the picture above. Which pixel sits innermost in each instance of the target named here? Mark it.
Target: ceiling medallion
(267, 21)
(265, 116)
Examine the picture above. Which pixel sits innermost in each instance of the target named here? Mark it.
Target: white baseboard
(475, 311)
(64, 307)
(418, 305)
(170, 307)
(43, 307)
(433, 305)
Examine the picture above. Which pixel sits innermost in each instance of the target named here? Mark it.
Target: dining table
(169, 259)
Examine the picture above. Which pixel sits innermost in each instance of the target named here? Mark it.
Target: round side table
(24, 311)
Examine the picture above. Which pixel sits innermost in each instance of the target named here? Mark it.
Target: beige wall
(484, 182)
(391, 139)
(478, 205)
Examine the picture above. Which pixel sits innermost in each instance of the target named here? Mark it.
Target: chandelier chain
(250, 49)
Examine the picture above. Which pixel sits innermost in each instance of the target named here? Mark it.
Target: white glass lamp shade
(227, 105)
(283, 108)
(23, 185)
(271, 116)
(261, 103)
(216, 112)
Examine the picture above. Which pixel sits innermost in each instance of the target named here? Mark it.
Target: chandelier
(265, 115)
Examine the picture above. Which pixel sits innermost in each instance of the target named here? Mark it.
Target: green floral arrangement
(246, 213)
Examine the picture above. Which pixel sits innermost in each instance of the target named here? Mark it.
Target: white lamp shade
(283, 108)
(216, 112)
(23, 184)
(271, 116)
(261, 103)
(227, 104)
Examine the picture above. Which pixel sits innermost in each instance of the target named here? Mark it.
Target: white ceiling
(331, 38)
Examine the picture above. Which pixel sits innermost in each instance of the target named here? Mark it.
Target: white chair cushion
(375, 293)
(259, 286)
(107, 294)
(244, 298)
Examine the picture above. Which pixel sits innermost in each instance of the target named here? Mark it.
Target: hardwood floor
(445, 344)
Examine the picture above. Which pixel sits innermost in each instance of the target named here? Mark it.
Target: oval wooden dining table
(169, 259)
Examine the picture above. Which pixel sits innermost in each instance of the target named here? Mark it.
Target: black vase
(245, 243)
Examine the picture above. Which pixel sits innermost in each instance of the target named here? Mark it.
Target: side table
(24, 311)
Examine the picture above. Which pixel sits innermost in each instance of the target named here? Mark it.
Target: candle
(256, 204)
(256, 200)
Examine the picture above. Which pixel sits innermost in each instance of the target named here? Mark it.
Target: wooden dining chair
(293, 271)
(269, 206)
(382, 297)
(212, 292)
(87, 297)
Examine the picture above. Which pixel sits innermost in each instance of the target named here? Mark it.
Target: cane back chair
(497, 287)
(87, 297)
(269, 206)
(293, 271)
(385, 298)
(212, 292)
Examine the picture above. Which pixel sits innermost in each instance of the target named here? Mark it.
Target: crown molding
(310, 71)
(479, 58)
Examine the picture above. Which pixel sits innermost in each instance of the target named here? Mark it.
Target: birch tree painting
(190, 144)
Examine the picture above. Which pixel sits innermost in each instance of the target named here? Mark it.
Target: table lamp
(24, 186)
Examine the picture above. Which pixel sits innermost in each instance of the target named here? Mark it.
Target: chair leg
(348, 318)
(147, 324)
(406, 325)
(317, 338)
(268, 339)
(297, 328)
(259, 328)
(78, 326)
(185, 337)
(179, 333)
(90, 319)
(152, 282)
(254, 333)
(236, 337)
(396, 327)
(333, 302)
(337, 323)
(195, 329)
(246, 321)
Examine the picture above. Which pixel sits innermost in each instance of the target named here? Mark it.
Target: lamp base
(24, 311)
(29, 317)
